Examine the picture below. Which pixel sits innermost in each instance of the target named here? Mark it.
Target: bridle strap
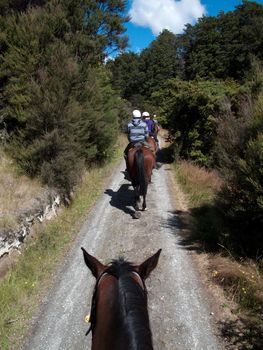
(92, 318)
(140, 280)
(101, 276)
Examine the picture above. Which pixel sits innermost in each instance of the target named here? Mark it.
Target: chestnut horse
(119, 316)
(140, 163)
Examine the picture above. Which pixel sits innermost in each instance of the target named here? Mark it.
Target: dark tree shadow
(241, 334)
(122, 199)
(165, 155)
(195, 229)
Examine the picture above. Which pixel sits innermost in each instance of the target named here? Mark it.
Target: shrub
(192, 109)
(241, 199)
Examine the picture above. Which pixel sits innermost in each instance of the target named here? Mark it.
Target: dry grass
(243, 281)
(16, 192)
(199, 183)
(243, 286)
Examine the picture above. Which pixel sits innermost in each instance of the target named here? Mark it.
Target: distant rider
(151, 125)
(137, 131)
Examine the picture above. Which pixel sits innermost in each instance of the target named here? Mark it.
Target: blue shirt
(151, 125)
(137, 130)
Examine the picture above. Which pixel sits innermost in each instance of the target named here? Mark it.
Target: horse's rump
(140, 155)
(140, 163)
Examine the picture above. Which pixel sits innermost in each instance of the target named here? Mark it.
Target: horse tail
(141, 174)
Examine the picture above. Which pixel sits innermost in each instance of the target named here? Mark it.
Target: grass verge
(241, 279)
(29, 278)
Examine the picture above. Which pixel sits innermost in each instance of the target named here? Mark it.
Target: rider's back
(136, 130)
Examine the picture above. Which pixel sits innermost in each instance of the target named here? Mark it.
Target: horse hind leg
(144, 207)
(137, 199)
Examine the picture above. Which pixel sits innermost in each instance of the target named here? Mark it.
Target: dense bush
(192, 110)
(56, 98)
(221, 47)
(241, 199)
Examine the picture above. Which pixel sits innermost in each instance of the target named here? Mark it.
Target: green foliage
(57, 102)
(201, 48)
(127, 75)
(137, 76)
(232, 131)
(191, 110)
(219, 47)
(241, 199)
(159, 62)
(222, 46)
(7, 6)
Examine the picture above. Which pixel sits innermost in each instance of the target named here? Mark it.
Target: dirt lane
(180, 317)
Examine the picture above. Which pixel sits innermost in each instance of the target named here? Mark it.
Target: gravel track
(179, 312)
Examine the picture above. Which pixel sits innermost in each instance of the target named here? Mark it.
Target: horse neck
(122, 320)
(134, 314)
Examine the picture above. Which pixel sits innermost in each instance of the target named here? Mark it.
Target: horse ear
(148, 265)
(93, 264)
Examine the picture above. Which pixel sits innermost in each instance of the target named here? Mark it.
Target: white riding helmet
(136, 113)
(146, 114)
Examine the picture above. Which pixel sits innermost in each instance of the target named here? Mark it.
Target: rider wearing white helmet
(137, 131)
(136, 114)
(151, 125)
(146, 115)
(136, 128)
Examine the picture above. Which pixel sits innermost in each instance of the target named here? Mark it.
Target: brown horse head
(119, 315)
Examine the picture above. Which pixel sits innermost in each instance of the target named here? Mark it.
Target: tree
(200, 49)
(159, 62)
(191, 110)
(56, 95)
(96, 27)
(127, 76)
(8, 7)
(222, 46)
(136, 77)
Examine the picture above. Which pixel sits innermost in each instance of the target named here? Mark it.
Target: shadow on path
(180, 224)
(122, 199)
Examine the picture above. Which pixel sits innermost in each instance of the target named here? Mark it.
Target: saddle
(144, 144)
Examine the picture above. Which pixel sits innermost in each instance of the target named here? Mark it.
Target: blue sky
(149, 17)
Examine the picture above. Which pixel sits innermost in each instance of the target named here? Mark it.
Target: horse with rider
(140, 154)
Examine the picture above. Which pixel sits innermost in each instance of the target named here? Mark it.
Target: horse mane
(133, 305)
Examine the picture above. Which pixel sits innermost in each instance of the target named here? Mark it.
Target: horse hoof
(137, 215)
(144, 209)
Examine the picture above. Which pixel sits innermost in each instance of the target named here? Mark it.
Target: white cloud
(165, 14)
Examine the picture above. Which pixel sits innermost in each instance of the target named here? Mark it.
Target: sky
(150, 17)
